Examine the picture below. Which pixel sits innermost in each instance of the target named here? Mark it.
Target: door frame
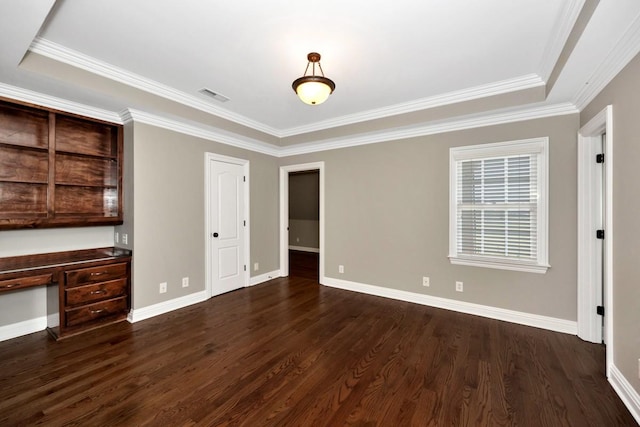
(589, 323)
(284, 214)
(208, 157)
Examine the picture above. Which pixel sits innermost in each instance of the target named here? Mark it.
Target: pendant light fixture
(312, 89)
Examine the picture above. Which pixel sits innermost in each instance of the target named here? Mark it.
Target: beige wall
(169, 215)
(387, 219)
(304, 234)
(623, 94)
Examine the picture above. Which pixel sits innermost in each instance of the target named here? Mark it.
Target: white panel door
(227, 227)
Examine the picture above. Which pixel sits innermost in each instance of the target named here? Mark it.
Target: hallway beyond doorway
(304, 264)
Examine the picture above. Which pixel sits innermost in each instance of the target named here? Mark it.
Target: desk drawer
(25, 282)
(95, 274)
(97, 292)
(87, 313)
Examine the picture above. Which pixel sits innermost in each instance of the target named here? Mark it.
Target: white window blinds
(496, 204)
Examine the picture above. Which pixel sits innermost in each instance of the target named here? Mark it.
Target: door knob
(215, 234)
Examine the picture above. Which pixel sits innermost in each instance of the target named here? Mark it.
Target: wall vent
(215, 95)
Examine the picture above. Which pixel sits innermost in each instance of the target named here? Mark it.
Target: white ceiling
(388, 59)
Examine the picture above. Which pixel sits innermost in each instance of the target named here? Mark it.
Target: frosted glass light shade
(313, 92)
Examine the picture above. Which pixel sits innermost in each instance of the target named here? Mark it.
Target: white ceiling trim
(373, 138)
(31, 97)
(432, 129)
(567, 21)
(624, 51)
(76, 59)
(250, 144)
(138, 116)
(497, 88)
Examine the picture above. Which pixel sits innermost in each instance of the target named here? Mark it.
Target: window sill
(501, 264)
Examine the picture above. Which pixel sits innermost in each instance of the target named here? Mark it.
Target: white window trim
(538, 146)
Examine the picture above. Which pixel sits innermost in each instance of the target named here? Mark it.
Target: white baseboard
(544, 322)
(166, 306)
(627, 393)
(53, 320)
(304, 249)
(30, 326)
(256, 280)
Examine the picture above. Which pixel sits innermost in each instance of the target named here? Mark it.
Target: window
(498, 205)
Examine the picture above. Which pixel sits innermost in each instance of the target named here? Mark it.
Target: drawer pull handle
(98, 273)
(9, 286)
(97, 311)
(97, 292)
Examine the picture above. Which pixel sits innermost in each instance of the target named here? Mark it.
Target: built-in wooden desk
(86, 289)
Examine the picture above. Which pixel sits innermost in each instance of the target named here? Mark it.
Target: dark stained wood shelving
(57, 169)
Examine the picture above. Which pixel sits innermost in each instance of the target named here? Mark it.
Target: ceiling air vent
(217, 96)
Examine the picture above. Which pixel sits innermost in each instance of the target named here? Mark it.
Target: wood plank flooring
(304, 264)
(293, 353)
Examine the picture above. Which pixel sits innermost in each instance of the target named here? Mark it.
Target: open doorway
(304, 224)
(302, 221)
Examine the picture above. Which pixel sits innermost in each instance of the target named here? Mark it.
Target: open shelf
(58, 170)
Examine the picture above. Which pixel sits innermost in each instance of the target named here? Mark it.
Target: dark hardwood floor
(304, 264)
(292, 353)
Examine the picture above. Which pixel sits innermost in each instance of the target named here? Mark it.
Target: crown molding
(528, 81)
(79, 60)
(137, 116)
(504, 117)
(76, 59)
(31, 97)
(570, 12)
(624, 51)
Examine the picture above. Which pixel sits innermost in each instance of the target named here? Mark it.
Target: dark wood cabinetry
(58, 170)
(95, 294)
(86, 289)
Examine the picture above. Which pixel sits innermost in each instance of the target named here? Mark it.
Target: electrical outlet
(125, 239)
(185, 282)
(297, 240)
(116, 237)
(639, 369)
(425, 281)
(256, 266)
(163, 287)
(459, 287)
(341, 269)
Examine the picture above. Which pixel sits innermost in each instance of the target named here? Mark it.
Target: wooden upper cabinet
(58, 170)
